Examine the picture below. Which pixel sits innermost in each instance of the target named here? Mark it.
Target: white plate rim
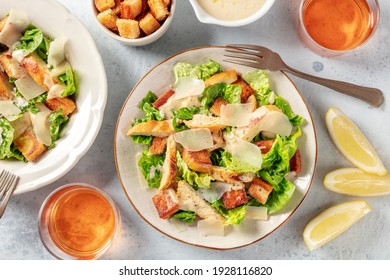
(116, 133)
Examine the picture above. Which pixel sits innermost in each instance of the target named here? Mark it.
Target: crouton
(29, 145)
(228, 77)
(264, 145)
(152, 128)
(149, 24)
(38, 70)
(108, 18)
(11, 66)
(246, 89)
(163, 98)
(158, 9)
(216, 108)
(225, 175)
(198, 161)
(167, 2)
(67, 105)
(234, 198)
(190, 200)
(296, 163)
(103, 5)
(166, 202)
(130, 9)
(203, 121)
(169, 166)
(158, 146)
(260, 190)
(5, 87)
(128, 28)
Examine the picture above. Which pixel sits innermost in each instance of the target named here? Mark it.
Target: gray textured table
(370, 66)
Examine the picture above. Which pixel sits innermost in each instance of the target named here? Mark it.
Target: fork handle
(372, 96)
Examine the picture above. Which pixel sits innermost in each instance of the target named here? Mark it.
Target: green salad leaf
(259, 81)
(70, 79)
(220, 157)
(185, 113)
(186, 216)
(279, 198)
(150, 167)
(57, 122)
(198, 71)
(233, 216)
(195, 179)
(7, 149)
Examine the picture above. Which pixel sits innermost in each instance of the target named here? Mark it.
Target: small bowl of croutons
(134, 22)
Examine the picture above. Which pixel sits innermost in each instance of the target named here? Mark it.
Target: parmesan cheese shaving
(16, 23)
(9, 110)
(196, 139)
(56, 53)
(236, 114)
(28, 87)
(244, 151)
(276, 122)
(188, 86)
(211, 227)
(256, 213)
(20, 125)
(216, 190)
(56, 91)
(41, 126)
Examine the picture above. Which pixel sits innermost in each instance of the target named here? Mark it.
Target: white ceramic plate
(55, 20)
(158, 80)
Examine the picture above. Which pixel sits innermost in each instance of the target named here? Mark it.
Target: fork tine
(244, 46)
(245, 63)
(231, 50)
(9, 181)
(245, 56)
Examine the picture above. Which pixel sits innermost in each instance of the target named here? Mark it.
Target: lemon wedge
(332, 222)
(352, 143)
(353, 181)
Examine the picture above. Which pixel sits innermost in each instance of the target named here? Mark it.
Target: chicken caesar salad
(220, 147)
(37, 85)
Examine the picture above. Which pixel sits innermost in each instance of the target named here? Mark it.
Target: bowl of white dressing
(230, 13)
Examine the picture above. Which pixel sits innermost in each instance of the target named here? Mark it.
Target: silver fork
(8, 183)
(263, 58)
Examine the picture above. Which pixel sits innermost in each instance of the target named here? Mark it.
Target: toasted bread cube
(234, 198)
(296, 163)
(163, 98)
(108, 18)
(247, 90)
(11, 66)
(260, 190)
(158, 9)
(152, 128)
(5, 87)
(149, 24)
(216, 108)
(198, 161)
(128, 28)
(167, 2)
(130, 9)
(228, 77)
(67, 105)
(3, 21)
(158, 146)
(166, 203)
(103, 5)
(29, 145)
(264, 145)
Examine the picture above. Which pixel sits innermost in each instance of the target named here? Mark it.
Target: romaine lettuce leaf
(295, 120)
(183, 114)
(198, 71)
(195, 179)
(70, 79)
(57, 122)
(31, 40)
(278, 199)
(232, 94)
(7, 149)
(150, 165)
(259, 81)
(186, 216)
(233, 216)
(211, 93)
(225, 159)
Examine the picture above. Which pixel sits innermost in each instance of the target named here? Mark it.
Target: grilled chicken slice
(198, 161)
(158, 146)
(166, 203)
(223, 174)
(169, 166)
(152, 128)
(5, 87)
(11, 66)
(189, 199)
(66, 104)
(228, 77)
(29, 145)
(203, 121)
